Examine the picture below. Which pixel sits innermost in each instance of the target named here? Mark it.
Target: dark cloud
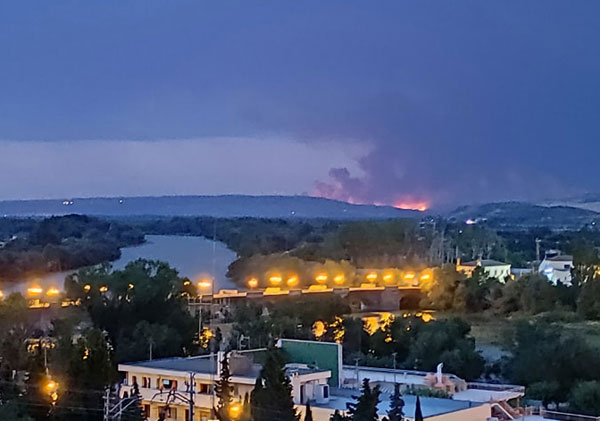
(453, 101)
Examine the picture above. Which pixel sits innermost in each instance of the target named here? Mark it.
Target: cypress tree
(418, 413)
(365, 408)
(308, 414)
(396, 411)
(224, 390)
(271, 398)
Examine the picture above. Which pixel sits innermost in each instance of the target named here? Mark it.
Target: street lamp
(339, 279)
(204, 284)
(235, 410)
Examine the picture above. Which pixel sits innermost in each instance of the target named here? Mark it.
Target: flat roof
(203, 364)
(485, 263)
(200, 364)
(429, 406)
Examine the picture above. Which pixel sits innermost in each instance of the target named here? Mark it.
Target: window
(203, 388)
(146, 382)
(326, 391)
(134, 380)
(169, 384)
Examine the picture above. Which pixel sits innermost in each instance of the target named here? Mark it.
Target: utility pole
(191, 418)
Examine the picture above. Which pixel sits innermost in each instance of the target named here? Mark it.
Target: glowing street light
(204, 284)
(252, 282)
(426, 276)
(235, 410)
(52, 292)
(339, 279)
(388, 277)
(103, 289)
(87, 287)
(321, 278)
(1, 295)
(371, 276)
(275, 279)
(34, 290)
(292, 281)
(409, 276)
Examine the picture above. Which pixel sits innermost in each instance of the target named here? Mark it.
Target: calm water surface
(191, 256)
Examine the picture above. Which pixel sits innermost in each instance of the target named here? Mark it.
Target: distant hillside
(590, 201)
(512, 215)
(219, 206)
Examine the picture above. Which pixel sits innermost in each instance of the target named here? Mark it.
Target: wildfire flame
(419, 206)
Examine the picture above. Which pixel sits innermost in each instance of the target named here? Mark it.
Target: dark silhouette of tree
(271, 398)
(224, 390)
(418, 412)
(365, 408)
(308, 414)
(396, 411)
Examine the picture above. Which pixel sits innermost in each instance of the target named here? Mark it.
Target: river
(191, 256)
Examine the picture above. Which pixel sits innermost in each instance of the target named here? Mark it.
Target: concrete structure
(557, 267)
(492, 268)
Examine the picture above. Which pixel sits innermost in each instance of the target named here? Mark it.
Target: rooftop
(561, 258)
(202, 364)
(484, 263)
(429, 406)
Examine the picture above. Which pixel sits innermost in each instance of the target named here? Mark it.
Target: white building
(491, 268)
(557, 268)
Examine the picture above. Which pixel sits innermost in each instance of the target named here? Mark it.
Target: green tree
(365, 407)
(545, 391)
(547, 353)
(224, 390)
(272, 395)
(585, 398)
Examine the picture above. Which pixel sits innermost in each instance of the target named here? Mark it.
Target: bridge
(369, 297)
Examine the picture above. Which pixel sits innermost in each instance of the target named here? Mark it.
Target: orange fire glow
(419, 206)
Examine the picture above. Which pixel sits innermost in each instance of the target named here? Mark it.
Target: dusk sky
(392, 102)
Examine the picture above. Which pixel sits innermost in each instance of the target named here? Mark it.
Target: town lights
(87, 287)
(426, 276)
(1, 295)
(275, 279)
(53, 292)
(388, 277)
(339, 279)
(292, 281)
(252, 282)
(321, 278)
(34, 290)
(103, 289)
(371, 276)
